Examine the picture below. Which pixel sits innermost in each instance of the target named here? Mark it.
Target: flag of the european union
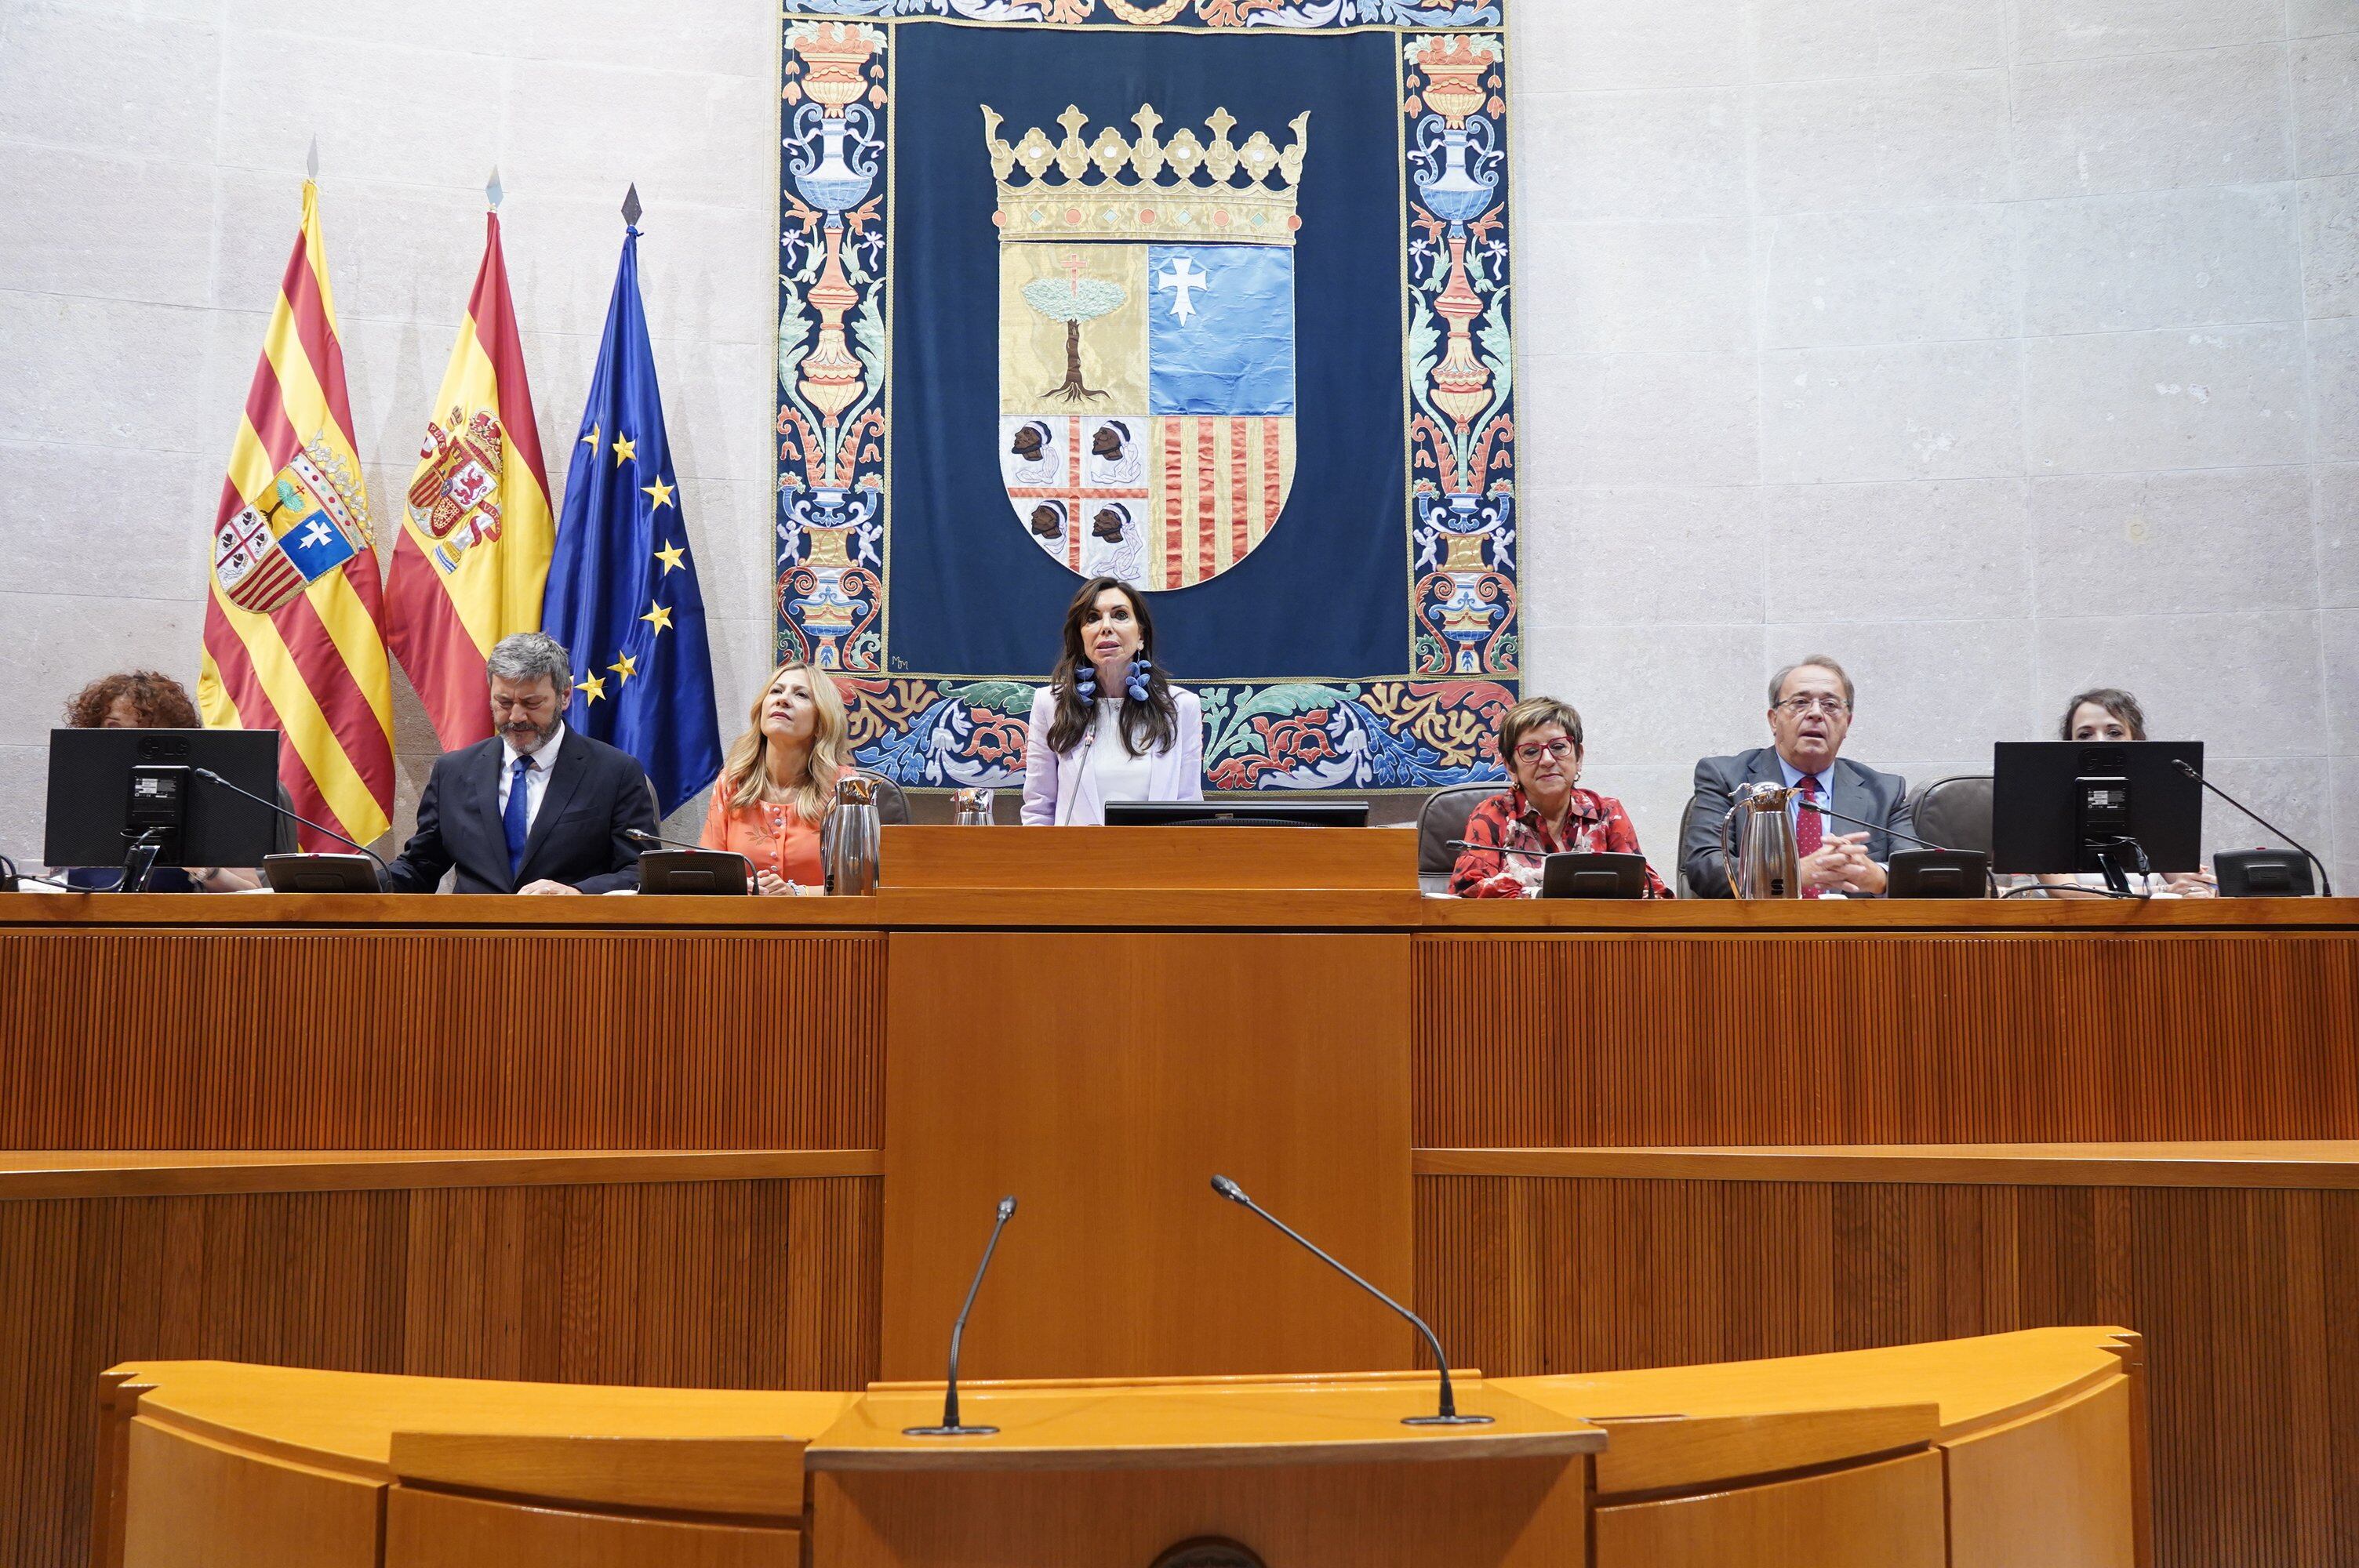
(621, 595)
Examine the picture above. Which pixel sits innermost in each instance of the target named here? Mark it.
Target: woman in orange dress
(778, 780)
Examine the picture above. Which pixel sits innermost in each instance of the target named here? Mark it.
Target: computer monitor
(1236, 813)
(2058, 806)
(94, 815)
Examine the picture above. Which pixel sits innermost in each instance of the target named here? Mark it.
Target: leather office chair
(1954, 812)
(892, 806)
(1679, 852)
(1442, 818)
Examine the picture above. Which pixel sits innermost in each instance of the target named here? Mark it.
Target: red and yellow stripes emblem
(314, 668)
(1220, 484)
(472, 558)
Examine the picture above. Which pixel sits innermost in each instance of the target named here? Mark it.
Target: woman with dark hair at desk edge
(2109, 713)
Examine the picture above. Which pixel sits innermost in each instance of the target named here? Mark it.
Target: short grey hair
(1811, 661)
(528, 655)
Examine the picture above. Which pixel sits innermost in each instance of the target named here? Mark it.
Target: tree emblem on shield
(1146, 417)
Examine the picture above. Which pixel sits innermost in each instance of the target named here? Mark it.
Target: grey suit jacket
(1873, 797)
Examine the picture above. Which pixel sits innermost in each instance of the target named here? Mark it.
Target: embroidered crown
(1182, 188)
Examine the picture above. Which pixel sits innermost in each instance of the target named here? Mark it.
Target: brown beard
(539, 732)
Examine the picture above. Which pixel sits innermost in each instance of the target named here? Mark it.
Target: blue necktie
(513, 817)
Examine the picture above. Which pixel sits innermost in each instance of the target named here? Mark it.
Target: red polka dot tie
(1809, 830)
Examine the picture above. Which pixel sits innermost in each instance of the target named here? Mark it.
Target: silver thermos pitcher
(970, 807)
(1763, 861)
(850, 840)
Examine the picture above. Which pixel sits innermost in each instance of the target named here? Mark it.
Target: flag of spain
(294, 637)
(477, 530)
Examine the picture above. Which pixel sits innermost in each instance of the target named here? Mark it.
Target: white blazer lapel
(1163, 779)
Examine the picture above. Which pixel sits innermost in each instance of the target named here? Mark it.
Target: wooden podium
(1303, 1470)
(1990, 1452)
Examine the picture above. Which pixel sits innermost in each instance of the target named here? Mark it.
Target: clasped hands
(1840, 864)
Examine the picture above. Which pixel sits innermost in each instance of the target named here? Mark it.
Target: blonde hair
(745, 773)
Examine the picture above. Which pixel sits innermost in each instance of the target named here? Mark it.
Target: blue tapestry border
(1428, 725)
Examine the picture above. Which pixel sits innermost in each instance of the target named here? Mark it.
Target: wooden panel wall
(1883, 1039)
(416, 1039)
(1108, 1120)
(724, 1284)
(2245, 1299)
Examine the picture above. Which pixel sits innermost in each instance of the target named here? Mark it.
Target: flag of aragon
(294, 625)
(476, 525)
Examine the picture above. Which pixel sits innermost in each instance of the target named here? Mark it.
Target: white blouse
(1118, 774)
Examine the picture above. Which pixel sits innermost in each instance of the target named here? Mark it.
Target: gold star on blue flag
(623, 592)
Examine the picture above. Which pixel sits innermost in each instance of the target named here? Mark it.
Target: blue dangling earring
(1085, 686)
(1136, 682)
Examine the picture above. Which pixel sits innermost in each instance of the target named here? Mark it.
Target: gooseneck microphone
(1990, 877)
(1448, 1415)
(2325, 882)
(950, 1427)
(641, 836)
(211, 777)
(1874, 827)
(1495, 848)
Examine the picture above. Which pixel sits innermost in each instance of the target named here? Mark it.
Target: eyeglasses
(1833, 706)
(1532, 750)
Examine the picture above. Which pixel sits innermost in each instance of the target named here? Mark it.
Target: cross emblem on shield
(1146, 417)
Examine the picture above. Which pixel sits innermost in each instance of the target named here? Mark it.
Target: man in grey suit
(1810, 714)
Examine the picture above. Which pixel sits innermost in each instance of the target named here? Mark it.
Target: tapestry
(1209, 296)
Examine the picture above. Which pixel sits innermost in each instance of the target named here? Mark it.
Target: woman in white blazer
(1107, 726)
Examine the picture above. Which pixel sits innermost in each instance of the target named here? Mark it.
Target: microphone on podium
(641, 836)
(1495, 849)
(1989, 876)
(1448, 1415)
(950, 1427)
(2325, 882)
(1812, 805)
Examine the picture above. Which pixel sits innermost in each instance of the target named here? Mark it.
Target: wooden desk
(1953, 1455)
(682, 1167)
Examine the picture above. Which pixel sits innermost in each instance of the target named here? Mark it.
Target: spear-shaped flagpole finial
(311, 163)
(492, 191)
(631, 208)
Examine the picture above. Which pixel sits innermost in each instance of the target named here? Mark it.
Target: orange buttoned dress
(770, 835)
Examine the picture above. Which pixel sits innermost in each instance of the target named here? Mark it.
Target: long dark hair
(1149, 725)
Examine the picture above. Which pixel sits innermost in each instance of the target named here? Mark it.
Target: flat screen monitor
(1236, 813)
(2054, 803)
(90, 794)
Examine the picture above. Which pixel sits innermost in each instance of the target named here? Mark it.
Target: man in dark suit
(538, 809)
(1810, 714)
